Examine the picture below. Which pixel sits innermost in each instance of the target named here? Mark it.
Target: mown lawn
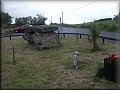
(51, 68)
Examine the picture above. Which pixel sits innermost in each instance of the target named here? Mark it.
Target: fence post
(58, 34)
(103, 41)
(80, 36)
(61, 33)
(10, 37)
(13, 56)
(64, 35)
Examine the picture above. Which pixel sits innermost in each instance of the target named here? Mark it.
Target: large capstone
(42, 36)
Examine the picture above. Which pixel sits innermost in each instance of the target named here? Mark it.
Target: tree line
(38, 20)
(6, 20)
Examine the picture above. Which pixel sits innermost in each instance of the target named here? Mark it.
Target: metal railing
(80, 35)
(77, 35)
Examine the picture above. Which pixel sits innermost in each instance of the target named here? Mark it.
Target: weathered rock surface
(42, 28)
(42, 36)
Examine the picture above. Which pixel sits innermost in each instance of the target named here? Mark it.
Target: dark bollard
(58, 34)
(80, 36)
(115, 72)
(112, 71)
(64, 35)
(106, 69)
(10, 37)
(103, 41)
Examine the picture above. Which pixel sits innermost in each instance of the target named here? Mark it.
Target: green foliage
(21, 21)
(107, 24)
(5, 18)
(39, 20)
(5, 21)
(94, 32)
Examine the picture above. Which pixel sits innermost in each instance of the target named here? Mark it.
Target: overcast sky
(74, 12)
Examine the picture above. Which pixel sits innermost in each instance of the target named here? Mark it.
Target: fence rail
(77, 34)
(89, 35)
(80, 34)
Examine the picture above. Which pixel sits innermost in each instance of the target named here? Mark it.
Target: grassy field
(107, 25)
(51, 68)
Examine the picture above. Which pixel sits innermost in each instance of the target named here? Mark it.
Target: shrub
(94, 32)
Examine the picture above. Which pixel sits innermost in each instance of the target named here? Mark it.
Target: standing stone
(42, 36)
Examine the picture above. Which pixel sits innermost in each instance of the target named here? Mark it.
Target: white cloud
(74, 11)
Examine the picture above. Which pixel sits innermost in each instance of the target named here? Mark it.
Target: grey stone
(42, 36)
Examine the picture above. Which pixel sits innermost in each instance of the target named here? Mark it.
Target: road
(105, 34)
(112, 35)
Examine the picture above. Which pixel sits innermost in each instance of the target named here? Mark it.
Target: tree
(94, 32)
(21, 21)
(40, 19)
(5, 18)
(29, 19)
(34, 20)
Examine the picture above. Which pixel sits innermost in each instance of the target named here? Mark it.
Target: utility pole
(62, 17)
(51, 19)
(60, 27)
(60, 20)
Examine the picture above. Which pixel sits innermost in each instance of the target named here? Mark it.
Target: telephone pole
(51, 19)
(60, 20)
(60, 27)
(62, 17)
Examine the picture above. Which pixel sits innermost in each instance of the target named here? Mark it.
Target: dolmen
(42, 36)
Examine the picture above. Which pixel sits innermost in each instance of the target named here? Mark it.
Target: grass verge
(51, 68)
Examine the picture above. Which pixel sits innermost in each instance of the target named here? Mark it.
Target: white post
(76, 60)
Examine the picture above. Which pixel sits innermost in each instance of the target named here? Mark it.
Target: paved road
(105, 34)
(86, 31)
(112, 35)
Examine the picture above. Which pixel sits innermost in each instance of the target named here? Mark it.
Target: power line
(74, 10)
(86, 5)
(82, 6)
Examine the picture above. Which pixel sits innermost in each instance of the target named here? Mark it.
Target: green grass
(51, 68)
(107, 25)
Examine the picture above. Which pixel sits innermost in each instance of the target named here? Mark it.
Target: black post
(13, 56)
(80, 36)
(61, 34)
(10, 37)
(64, 35)
(77, 37)
(103, 41)
(58, 34)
